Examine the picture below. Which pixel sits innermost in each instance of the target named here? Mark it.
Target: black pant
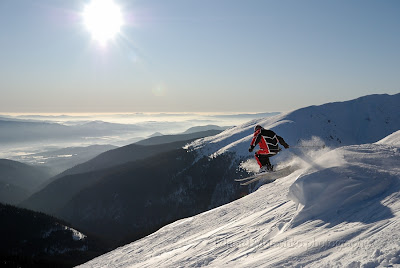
(263, 159)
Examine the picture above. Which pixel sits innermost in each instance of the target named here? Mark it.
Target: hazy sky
(204, 56)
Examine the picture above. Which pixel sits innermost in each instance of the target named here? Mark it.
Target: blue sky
(197, 56)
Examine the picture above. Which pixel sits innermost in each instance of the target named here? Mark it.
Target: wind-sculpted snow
(368, 174)
(393, 139)
(341, 208)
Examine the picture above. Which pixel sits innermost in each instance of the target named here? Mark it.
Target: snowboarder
(268, 142)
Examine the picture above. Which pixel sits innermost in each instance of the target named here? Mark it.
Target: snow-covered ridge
(393, 139)
(340, 209)
(363, 120)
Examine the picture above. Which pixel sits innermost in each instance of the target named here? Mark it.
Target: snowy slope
(341, 208)
(393, 139)
(363, 120)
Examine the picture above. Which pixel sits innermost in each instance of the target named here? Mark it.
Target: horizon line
(129, 113)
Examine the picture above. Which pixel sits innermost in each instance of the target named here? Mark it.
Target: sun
(103, 19)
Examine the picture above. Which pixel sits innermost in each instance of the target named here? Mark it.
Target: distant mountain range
(248, 115)
(18, 181)
(12, 131)
(140, 150)
(59, 160)
(124, 201)
(23, 129)
(204, 128)
(187, 135)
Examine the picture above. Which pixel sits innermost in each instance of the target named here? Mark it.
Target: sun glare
(103, 19)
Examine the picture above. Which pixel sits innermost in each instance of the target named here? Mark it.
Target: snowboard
(270, 176)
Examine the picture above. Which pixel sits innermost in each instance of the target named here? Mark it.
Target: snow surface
(363, 120)
(393, 139)
(76, 235)
(341, 208)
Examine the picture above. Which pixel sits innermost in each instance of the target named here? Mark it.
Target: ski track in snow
(340, 209)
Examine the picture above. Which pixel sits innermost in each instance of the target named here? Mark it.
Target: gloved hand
(251, 148)
(286, 145)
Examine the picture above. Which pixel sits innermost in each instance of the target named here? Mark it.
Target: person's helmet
(257, 127)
